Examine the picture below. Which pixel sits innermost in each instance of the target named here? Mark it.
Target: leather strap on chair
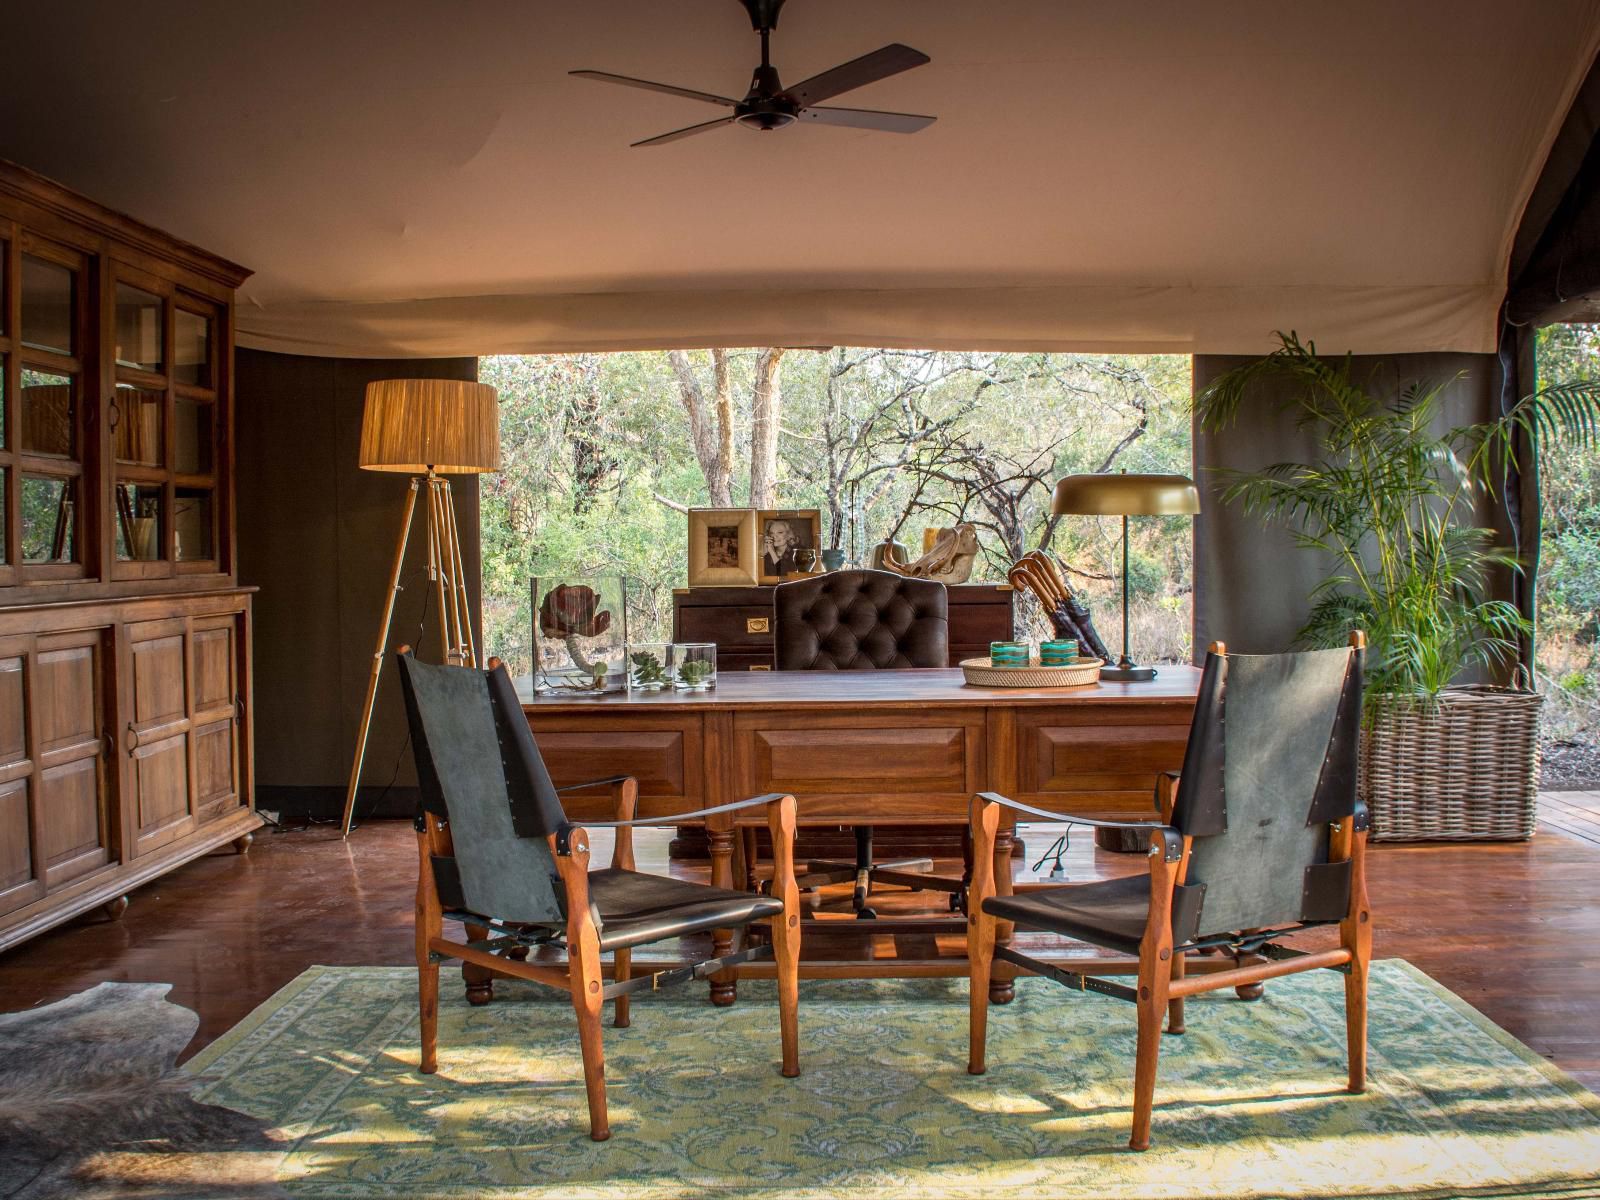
(1335, 797)
(1201, 809)
(535, 808)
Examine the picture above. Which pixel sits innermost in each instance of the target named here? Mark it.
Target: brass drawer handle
(758, 624)
(760, 667)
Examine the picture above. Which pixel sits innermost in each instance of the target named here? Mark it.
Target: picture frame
(801, 530)
(724, 547)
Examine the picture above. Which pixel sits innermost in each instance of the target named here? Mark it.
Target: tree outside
(605, 453)
(1568, 636)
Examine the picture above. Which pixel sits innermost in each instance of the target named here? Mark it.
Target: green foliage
(1568, 647)
(647, 670)
(1393, 504)
(694, 672)
(598, 462)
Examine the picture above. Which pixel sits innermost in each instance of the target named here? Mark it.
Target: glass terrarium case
(580, 634)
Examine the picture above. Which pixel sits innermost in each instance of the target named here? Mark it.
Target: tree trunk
(711, 432)
(591, 462)
(765, 411)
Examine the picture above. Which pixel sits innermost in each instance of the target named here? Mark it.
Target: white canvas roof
(424, 178)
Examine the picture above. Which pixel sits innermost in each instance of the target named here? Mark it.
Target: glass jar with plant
(649, 666)
(696, 664)
(1396, 505)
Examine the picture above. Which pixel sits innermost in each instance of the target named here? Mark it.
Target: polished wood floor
(1513, 929)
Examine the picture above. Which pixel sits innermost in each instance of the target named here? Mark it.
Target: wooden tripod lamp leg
(377, 656)
(436, 565)
(460, 605)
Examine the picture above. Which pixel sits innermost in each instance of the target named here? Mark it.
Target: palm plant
(1395, 505)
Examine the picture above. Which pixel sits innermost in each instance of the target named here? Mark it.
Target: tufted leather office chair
(863, 621)
(860, 621)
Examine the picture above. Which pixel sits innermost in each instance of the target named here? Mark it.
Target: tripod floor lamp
(1124, 495)
(428, 428)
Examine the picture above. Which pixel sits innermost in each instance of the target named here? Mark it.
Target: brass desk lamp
(1124, 495)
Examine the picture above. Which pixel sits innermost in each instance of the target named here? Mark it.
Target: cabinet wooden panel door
(56, 813)
(156, 731)
(218, 712)
(20, 882)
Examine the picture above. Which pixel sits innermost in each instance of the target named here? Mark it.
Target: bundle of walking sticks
(1037, 572)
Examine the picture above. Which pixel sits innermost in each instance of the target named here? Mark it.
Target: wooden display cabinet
(125, 742)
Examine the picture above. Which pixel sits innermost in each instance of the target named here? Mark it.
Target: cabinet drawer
(744, 627)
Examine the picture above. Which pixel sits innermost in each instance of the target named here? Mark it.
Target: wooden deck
(1511, 928)
(1575, 814)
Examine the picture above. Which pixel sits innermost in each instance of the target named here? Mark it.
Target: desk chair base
(904, 872)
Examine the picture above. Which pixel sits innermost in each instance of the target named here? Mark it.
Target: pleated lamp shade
(445, 425)
(1125, 495)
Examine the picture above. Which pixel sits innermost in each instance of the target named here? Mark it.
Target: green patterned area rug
(1250, 1101)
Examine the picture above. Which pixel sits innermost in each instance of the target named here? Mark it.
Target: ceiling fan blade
(880, 64)
(647, 85)
(683, 133)
(868, 118)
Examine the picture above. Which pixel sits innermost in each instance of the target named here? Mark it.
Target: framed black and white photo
(723, 547)
(790, 542)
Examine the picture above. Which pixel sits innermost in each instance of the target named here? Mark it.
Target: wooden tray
(982, 673)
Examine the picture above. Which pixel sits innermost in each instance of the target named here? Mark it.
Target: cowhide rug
(93, 1107)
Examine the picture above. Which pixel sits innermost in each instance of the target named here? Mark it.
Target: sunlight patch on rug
(1250, 1102)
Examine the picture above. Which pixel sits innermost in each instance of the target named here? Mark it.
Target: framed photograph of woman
(723, 547)
(791, 539)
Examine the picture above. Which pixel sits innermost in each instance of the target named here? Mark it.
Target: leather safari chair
(1260, 838)
(499, 854)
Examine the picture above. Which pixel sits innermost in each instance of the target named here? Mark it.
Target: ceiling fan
(769, 105)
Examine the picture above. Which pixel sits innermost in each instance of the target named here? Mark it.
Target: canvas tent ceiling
(417, 178)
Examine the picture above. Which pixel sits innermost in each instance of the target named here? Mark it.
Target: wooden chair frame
(496, 949)
(1162, 984)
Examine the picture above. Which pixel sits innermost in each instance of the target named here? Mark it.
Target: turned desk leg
(724, 984)
(242, 843)
(1001, 990)
(479, 980)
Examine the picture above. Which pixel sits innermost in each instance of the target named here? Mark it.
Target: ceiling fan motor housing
(763, 13)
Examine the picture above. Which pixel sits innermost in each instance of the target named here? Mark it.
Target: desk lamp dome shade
(1125, 495)
(447, 426)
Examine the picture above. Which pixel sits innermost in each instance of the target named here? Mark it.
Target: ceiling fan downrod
(760, 109)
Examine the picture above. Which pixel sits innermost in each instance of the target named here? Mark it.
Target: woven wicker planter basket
(1463, 770)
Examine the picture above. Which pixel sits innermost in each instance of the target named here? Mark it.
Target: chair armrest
(670, 818)
(1065, 818)
(606, 782)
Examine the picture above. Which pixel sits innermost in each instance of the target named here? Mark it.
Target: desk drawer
(904, 766)
(665, 754)
(1098, 759)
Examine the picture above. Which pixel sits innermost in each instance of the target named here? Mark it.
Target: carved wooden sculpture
(950, 560)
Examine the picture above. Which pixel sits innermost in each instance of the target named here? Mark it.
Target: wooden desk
(873, 747)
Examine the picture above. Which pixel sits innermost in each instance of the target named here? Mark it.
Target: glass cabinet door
(42, 410)
(139, 420)
(111, 389)
(196, 428)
